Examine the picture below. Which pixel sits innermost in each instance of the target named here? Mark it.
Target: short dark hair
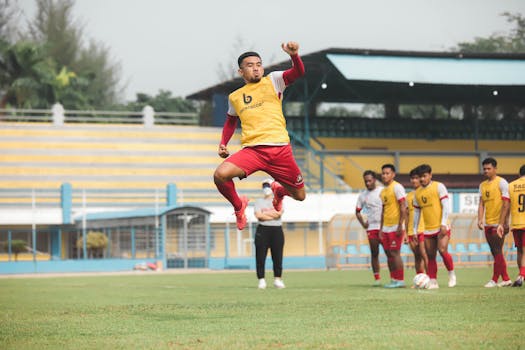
(370, 172)
(490, 161)
(413, 173)
(522, 170)
(246, 54)
(424, 168)
(391, 166)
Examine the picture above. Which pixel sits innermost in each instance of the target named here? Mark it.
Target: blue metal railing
(318, 175)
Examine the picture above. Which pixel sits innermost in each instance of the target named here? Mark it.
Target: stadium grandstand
(147, 184)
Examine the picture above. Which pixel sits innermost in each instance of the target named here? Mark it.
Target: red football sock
(432, 268)
(502, 267)
(377, 277)
(448, 261)
(496, 269)
(227, 189)
(390, 262)
(280, 190)
(522, 271)
(399, 274)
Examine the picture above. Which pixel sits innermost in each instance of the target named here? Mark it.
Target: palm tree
(27, 76)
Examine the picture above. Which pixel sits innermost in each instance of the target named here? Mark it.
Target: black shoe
(518, 282)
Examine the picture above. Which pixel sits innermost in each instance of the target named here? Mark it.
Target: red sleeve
(295, 72)
(229, 128)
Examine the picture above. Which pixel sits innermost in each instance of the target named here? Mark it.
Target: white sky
(181, 45)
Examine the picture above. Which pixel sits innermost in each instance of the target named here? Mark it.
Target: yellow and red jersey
(259, 108)
(429, 199)
(393, 197)
(410, 224)
(517, 203)
(492, 193)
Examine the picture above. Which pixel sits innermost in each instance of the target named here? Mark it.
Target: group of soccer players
(266, 146)
(420, 219)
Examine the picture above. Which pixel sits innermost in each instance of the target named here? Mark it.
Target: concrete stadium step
(113, 158)
(110, 183)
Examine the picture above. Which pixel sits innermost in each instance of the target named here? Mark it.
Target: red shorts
(519, 237)
(490, 230)
(373, 234)
(277, 161)
(391, 241)
(437, 233)
(420, 237)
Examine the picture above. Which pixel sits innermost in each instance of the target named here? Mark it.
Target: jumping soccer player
(517, 222)
(265, 141)
(393, 218)
(492, 212)
(416, 239)
(432, 204)
(370, 201)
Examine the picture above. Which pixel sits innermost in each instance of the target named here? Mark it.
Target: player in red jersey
(265, 141)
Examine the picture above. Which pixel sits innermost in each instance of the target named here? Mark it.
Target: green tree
(9, 15)
(17, 246)
(96, 77)
(96, 243)
(163, 102)
(53, 26)
(423, 111)
(27, 76)
(512, 42)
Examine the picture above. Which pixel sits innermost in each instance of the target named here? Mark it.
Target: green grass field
(317, 310)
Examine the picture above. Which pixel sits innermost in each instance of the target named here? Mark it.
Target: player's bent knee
(443, 250)
(299, 196)
(220, 176)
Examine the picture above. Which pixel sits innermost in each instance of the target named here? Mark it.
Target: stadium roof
(378, 76)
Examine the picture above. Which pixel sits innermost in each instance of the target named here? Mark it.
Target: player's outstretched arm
(291, 48)
(297, 70)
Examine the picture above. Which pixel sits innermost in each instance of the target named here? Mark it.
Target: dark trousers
(269, 237)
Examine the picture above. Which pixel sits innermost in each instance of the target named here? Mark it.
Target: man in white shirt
(369, 202)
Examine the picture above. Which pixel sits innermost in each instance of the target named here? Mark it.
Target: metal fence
(58, 116)
(347, 244)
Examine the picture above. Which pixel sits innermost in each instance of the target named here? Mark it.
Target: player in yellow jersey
(492, 211)
(393, 219)
(431, 202)
(416, 239)
(517, 222)
(264, 138)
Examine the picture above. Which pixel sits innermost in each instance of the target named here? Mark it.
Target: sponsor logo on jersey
(518, 187)
(299, 180)
(246, 98)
